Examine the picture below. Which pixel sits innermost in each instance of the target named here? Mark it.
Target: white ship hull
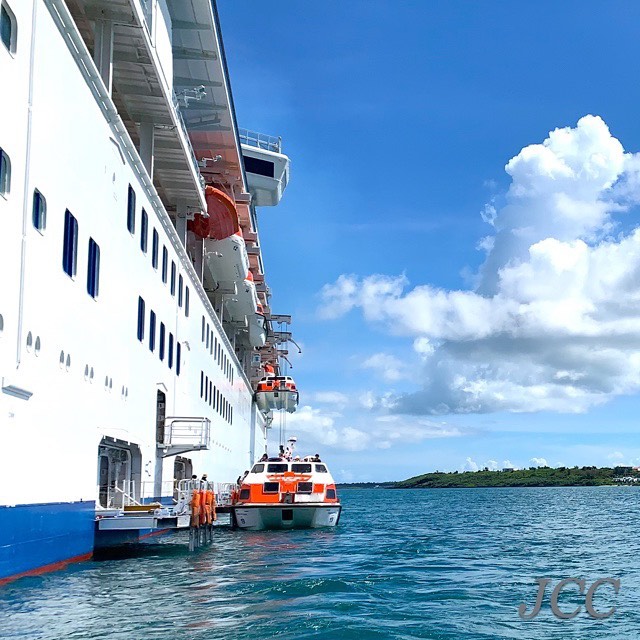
(287, 516)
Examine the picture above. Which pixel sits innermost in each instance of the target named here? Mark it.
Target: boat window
(244, 494)
(180, 285)
(186, 302)
(161, 338)
(154, 250)
(93, 269)
(152, 330)
(257, 468)
(5, 173)
(8, 28)
(140, 319)
(301, 468)
(39, 211)
(173, 278)
(206, 388)
(170, 350)
(320, 468)
(271, 487)
(165, 264)
(70, 244)
(178, 357)
(331, 494)
(144, 231)
(259, 166)
(203, 327)
(210, 392)
(131, 210)
(201, 384)
(305, 487)
(277, 468)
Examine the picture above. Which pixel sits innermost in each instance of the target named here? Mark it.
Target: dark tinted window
(301, 468)
(165, 264)
(39, 211)
(271, 487)
(173, 278)
(152, 330)
(180, 286)
(170, 350)
(331, 493)
(5, 173)
(258, 468)
(244, 494)
(6, 28)
(305, 487)
(277, 468)
(144, 231)
(131, 210)
(140, 319)
(70, 244)
(93, 269)
(161, 337)
(261, 167)
(320, 468)
(154, 249)
(178, 357)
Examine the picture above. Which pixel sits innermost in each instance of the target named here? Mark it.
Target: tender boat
(287, 492)
(276, 393)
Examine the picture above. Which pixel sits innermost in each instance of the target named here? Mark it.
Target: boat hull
(287, 516)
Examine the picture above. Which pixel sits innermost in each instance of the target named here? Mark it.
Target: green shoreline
(532, 477)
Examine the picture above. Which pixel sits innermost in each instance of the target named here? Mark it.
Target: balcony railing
(182, 434)
(260, 140)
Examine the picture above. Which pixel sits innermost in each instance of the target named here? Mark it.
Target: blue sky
(399, 119)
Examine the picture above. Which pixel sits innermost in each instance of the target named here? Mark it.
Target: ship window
(140, 319)
(244, 494)
(331, 494)
(261, 167)
(231, 415)
(144, 231)
(180, 286)
(178, 357)
(173, 278)
(203, 328)
(70, 244)
(211, 387)
(208, 336)
(170, 350)
(320, 468)
(216, 346)
(161, 338)
(305, 487)
(206, 388)
(186, 301)
(165, 264)
(39, 211)
(301, 468)
(5, 173)
(93, 269)
(257, 468)
(154, 250)
(152, 330)
(131, 210)
(202, 384)
(271, 487)
(277, 468)
(8, 28)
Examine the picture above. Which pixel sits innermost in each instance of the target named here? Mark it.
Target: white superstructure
(122, 368)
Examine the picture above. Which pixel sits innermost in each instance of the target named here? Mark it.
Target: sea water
(440, 563)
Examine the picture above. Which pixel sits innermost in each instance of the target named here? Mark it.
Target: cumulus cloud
(387, 366)
(332, 429)
(335, 398)
(507, 464)
(553, 322)
(470, 465)
(538, 462)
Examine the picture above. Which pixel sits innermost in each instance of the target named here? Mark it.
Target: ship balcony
(266, 167)
(184, 434)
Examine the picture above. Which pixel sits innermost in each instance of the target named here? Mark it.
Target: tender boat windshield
(277, 468)
(301, 468)
(257, 468)
(320, 468)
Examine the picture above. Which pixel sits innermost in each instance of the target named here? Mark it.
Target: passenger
(264, 458)
(297, 459)
(246, 473)
(282, 452)
(316, 458)
(239, 481)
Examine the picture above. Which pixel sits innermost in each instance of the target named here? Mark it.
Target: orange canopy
(223, 216)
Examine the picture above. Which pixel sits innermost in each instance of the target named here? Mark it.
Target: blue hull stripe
(35, 535)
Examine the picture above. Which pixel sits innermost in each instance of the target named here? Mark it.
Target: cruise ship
(135, 320)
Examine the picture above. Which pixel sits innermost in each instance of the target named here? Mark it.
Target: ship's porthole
(62, 359)
(37, 346)
(1, 324)
(68, 363)
(29, 341)
(86, 372)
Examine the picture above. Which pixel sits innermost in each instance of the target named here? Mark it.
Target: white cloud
(538, 462)
(616, 456)
(387, 366)
(507, 464)
(492, 465)
(470, 465)
(335, 398)
(554, 321)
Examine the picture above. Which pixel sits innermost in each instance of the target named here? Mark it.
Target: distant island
(532, 477)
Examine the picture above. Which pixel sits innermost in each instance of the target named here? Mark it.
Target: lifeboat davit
(286, 492)
(277, 393)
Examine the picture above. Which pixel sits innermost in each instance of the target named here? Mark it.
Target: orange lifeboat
(277, 393)
(222, 220)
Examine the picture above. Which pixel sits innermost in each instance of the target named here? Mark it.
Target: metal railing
(118, 495)
(187, 432)
(183, 126)
(260, 140)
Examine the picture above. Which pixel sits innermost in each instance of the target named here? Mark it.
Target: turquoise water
(441, 564)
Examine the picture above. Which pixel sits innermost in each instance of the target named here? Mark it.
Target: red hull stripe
(54, 566)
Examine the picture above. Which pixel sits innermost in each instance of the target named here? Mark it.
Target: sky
(459, 244)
